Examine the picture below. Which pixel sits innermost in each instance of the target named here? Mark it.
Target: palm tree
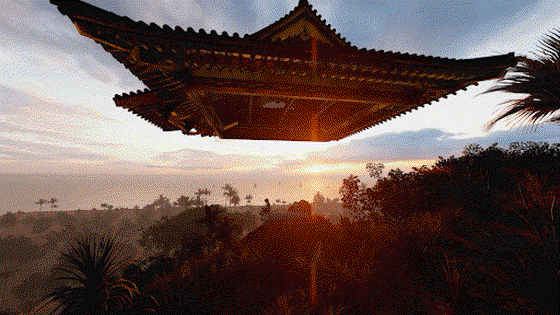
(539, 79)
(106, 206)
(53, 202)
(211, 218)
(91, 265)
(229, 192)
(206, 192)
(41, 202)
(184, 202)
(235, 199)
(198, 194)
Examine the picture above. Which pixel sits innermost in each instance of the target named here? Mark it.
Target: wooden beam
(327, 105)
(288, 107)
(174, 119)
(208, 113)
(251, 102)
(82, 30)
(314, 136)
(405, 97)
(231, 125)
(133, 101)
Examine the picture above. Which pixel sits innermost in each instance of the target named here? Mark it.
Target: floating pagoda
(296, 79)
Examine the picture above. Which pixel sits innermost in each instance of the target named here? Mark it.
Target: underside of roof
(296, 79)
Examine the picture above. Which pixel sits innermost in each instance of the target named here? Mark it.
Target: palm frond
(92, 264)
(539, 80)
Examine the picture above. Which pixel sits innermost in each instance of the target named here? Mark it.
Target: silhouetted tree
(41, 202)
(229, 192)
(318, 199)
(92, 267)
(185, 202)
(211, 218)
(9, 219)
(202, 192)
(162, 206)
(375, 170)
(351, 194)
(539, 79)
(106, 206)
(235, 200)
(248, 198)
(199, 193)
(53, 202)
(206, 192)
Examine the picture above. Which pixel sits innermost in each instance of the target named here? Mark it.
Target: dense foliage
(455, 182)
(20, 249)
(474, 234)
(41, 225)
(170, 234)
(9, 219)
(89, 272)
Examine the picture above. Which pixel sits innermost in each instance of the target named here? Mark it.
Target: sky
(61, 135)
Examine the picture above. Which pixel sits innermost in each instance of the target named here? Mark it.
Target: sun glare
(315, 186)
(328, 168)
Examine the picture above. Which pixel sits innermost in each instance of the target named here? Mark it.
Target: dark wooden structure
(296, 79)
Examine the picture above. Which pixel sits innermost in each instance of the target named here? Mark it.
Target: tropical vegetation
(90, 280)
(476, 233)
(538, 80)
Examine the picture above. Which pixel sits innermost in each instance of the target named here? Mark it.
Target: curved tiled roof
(229, 73)
(303, 8)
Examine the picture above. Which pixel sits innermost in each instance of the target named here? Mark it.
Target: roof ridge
(65, 7)
(305, 5)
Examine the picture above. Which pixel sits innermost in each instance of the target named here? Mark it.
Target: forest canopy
(454, 182)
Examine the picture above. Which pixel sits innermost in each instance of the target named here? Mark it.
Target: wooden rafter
(312, 93)
(136, 100)
(286, 109)
(208, 112)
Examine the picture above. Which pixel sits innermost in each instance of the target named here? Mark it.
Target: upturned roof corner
(296, 79)
(302, 22)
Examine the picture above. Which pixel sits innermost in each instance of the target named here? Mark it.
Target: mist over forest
(85, 191)
(471, 233)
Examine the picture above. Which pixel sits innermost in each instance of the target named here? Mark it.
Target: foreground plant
(92, 285)
(538, 78)
(510, 262)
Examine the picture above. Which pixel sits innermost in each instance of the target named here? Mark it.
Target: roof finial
(303, 2)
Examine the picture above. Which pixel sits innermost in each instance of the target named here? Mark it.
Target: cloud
(43, 52)
(21, 150)
(190, 159)
(426, 144)
(38, 35)
(26, 114)
(443, 28)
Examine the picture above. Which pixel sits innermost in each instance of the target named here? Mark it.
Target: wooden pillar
(313, 276)
(314, 128)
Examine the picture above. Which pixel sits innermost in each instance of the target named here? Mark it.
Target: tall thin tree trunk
(313, 271)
